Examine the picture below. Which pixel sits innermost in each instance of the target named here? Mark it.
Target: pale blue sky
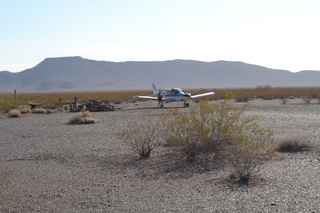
(280, 34)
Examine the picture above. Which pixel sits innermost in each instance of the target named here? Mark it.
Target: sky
(278, 34)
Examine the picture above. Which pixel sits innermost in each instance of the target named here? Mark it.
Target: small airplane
(175, 94)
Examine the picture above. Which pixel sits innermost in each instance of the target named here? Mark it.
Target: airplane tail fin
(155, 89)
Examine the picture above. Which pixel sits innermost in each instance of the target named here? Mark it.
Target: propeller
(188, 95)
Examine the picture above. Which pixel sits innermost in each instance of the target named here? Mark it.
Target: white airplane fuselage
(175, 94)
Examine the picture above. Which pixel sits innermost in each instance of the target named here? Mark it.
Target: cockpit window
(172, 91)
(167, 92)
(177, 91)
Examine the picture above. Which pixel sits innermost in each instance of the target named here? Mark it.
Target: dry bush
(48, 106)
(293, 144)
(25, 110)
(247, 141)
(39, 111)
(201, 130)
(242, 98)
(306, 99)
(143, 136)
(82, 118)
(222, 130)
(195, 132)
(14, 113)
(51, 111)
(247, 147)
(284, 100)
(5, 173)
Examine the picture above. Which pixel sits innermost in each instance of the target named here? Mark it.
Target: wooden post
(75, 102)
(14, 94)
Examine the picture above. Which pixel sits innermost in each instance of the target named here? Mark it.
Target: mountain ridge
(79, 74)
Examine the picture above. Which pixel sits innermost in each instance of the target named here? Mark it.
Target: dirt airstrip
(85, 168)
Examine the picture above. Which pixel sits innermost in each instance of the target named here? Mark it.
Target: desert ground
(85, 168)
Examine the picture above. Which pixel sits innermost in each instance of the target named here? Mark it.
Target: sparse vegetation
(82, 117)
(5, 173)
(268, 93)
(51, 111)
(264, 87)
(39, 111)
(240, 98)
(293, 144)
(143, 136)
(54, 100)
(194, 132)
(25, 110)
(251, 143)
(7, 103)
(284, 100)
(306, 99)
(14, 113)
(220, 128)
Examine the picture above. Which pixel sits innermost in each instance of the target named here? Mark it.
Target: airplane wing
(202, 95)
(147, 97)
(153, 98)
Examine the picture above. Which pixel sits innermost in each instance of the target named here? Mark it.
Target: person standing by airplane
(160, 105)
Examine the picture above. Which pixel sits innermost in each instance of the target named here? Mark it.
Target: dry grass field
(58, 167)
(7, 100)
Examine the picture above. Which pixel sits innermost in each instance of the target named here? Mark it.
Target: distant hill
(79, 74)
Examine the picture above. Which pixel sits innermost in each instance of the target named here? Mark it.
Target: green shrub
(220, 128)
(14, 113)
(246, 150)
(7, 104)
(195, 132)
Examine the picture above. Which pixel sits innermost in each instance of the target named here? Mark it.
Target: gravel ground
(85, 168)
